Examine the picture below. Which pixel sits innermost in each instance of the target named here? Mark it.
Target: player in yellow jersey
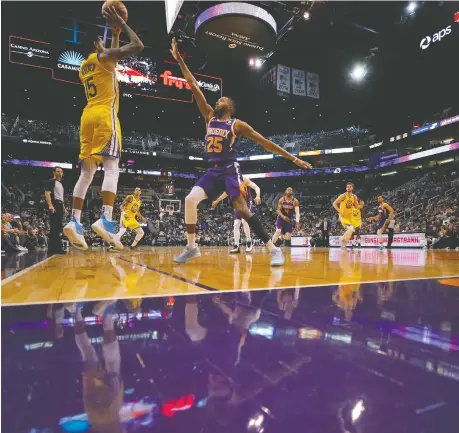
(345, 205)
(130, 211)
(100, 132)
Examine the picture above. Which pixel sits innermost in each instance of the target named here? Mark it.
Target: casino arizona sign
(180, 83)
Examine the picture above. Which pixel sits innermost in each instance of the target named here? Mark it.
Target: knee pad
(111, 174)
(88, 169)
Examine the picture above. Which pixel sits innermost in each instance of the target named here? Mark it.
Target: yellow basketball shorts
(100, 133)
(130, 222)
(346, 222)
(356, 222)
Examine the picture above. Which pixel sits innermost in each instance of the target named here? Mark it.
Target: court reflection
(371, 357)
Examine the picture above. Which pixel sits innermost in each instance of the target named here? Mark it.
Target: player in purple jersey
(385, 215)
(246, 184)
(288, 210)
(224, 174)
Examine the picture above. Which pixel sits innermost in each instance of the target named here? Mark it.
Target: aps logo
(437, 37)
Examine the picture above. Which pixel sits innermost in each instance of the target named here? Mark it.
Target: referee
(54, 195)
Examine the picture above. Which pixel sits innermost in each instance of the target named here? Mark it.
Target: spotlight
(359, 72)
(307, 15)
(412, 6)
(255, 62)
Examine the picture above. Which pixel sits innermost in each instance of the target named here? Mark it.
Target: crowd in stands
(427, 204)
(67, 134)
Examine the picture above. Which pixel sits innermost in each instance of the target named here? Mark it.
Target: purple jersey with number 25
(220, 141)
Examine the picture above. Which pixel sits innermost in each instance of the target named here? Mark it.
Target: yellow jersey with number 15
(100, 85)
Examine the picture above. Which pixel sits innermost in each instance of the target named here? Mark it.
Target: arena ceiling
(402, 80)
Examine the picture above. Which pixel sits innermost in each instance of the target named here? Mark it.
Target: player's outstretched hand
(174, 50)
(297, 226)
(302, 164)
(112, 18)
(214, 204)
(257, 200)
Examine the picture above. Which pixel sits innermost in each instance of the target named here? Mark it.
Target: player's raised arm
(135, 45)
(115, 38)
(245, 130)
(205, 109)
(256, 188)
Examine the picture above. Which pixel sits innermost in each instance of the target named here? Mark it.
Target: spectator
(10, 235)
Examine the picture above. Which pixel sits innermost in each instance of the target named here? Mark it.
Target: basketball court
(150, 271)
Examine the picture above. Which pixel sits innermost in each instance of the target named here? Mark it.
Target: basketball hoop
(170, 210)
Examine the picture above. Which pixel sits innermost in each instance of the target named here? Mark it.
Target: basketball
(119, 7)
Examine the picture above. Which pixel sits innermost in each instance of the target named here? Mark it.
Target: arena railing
(416, 206)
(450, 192)
(431, 200)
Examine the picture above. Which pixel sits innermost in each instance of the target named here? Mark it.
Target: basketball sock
(191, 240)
(76, 213)
(258, 229)
(107, 211)
(276, 236)
(246, 230)
(271, 246)
(237, 232)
